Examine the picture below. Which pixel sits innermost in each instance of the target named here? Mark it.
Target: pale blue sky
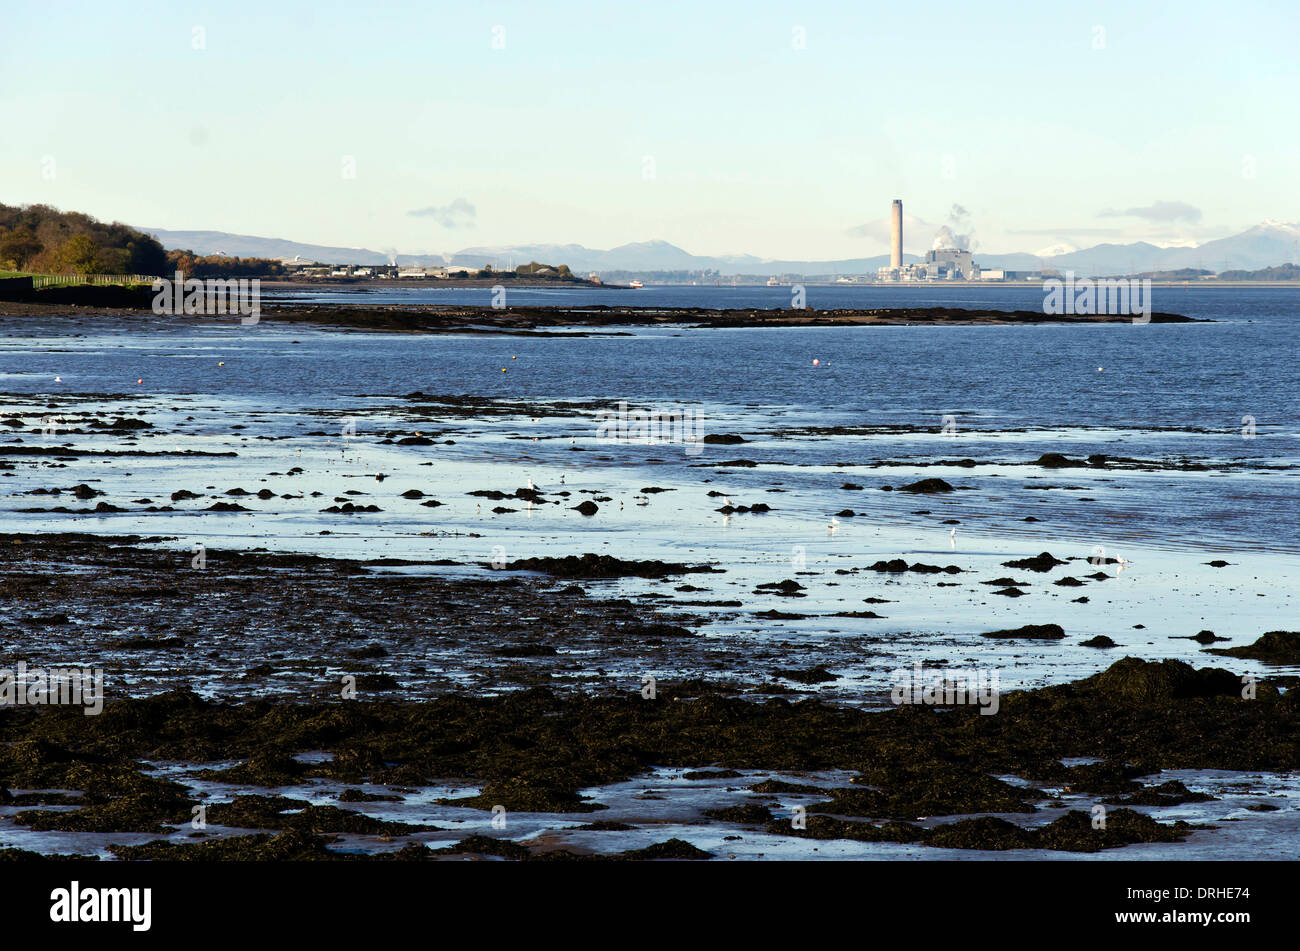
(1007, 109)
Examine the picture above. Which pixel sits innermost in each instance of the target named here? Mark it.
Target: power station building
(953, 264)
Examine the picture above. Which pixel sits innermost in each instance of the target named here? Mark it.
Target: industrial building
(952, 264)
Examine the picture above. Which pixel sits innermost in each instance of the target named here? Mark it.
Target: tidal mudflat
(364, 595)
(547, 767)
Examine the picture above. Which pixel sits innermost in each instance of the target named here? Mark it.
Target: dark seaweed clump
(1275, 647)
(1039, 632)
(592, 565)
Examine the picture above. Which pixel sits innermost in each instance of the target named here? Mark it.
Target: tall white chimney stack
(896, 235)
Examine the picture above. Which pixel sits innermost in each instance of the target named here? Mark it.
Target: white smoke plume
(949, 236)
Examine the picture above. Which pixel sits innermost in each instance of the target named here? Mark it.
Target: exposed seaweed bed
(537, 321)
(543, 746)
(523, 319)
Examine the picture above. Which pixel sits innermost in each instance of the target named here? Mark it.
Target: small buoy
(816, 362)
(141, 380)
(1099, 370)
(58, 379)
(221, 363)
(503, 369)
(514, 358)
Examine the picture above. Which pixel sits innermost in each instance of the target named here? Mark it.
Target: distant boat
(773, 282)
(635, 284)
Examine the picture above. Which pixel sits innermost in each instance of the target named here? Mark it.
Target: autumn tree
(113, 261)
(17, 247)
(52, 229)
(78, 254)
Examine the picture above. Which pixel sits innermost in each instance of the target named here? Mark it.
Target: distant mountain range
(1268, 243)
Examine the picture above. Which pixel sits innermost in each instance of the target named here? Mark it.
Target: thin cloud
(1053, 232)
(1165, 212)
(880, 230)
(459, 214)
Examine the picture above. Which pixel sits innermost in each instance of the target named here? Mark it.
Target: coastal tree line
(40, 239)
